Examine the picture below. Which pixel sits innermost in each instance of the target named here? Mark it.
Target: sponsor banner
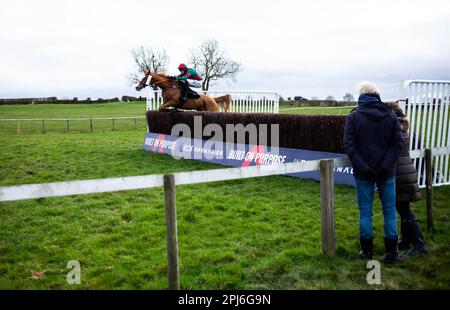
(242, 155)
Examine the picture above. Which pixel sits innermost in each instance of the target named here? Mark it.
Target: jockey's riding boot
(405, 228)
(366, 248)
(183, 91)
(416, 239)
(391, 250)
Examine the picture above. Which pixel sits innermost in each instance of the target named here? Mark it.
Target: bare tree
(214, 63)
(348, 97)
(330, 98)
(145, 57)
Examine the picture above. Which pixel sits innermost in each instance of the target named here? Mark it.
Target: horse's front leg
(167, 104)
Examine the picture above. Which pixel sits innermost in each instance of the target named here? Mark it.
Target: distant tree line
(348, 97)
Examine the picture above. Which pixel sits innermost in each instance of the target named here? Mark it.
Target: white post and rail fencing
(242, 101)
(170, 181)
(426, 104)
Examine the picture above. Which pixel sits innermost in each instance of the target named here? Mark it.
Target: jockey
(185, 74)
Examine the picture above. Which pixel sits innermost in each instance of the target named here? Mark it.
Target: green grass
(287, 109)
(259, 233)
(63, 111)
(73, 110)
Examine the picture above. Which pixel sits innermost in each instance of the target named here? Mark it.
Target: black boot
(405, 242)
(416, 239)
(392, 255)
(183, 91)
(366, 248)
(195, 95)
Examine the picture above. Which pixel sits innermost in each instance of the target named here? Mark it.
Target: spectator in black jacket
(373, 142)
(407, 191)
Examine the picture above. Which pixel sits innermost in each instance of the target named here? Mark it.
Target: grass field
(116, 109)
(73, 110)
(65, 111)
(314, 110)
(111, 110)
(259, 233)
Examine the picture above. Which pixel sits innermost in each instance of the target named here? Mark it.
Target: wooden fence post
(429, 186)
(90, 123)
(67, 125)
(172, 238)
(135, 125)
(18, 126)
(327, 195)
(113, 124)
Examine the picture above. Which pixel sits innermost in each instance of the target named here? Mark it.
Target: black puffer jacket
(407, 187)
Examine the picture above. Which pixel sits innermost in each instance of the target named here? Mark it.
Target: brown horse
(171, 95)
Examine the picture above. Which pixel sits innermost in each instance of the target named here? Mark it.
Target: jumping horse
(171, 95)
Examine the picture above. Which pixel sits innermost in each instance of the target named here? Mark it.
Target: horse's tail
(224, 102)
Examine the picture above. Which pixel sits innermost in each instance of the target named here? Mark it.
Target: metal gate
(426, 105)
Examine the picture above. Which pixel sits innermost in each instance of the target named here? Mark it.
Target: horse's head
(143, 82)
(157, 79)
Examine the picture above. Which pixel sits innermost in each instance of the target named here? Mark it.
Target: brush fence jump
(243, 102)
(426, 104)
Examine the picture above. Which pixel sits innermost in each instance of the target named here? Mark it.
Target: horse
(171, 94)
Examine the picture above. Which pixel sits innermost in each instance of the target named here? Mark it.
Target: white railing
(242, 101)
(31, 191)
(426, 104)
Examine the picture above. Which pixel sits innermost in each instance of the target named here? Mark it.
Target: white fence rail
(427, 107)
(242, 101)
(19, 192)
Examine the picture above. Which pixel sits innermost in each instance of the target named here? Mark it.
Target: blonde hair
(367, 88)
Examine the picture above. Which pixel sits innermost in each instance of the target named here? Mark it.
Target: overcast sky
(308, 48)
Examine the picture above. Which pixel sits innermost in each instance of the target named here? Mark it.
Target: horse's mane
(164, 74)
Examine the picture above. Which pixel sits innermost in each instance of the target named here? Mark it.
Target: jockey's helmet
(182, 67)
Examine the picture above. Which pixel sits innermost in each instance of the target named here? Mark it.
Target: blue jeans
(386, 191)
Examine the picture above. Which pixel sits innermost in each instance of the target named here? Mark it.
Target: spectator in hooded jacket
(407, 191)
(373, 142)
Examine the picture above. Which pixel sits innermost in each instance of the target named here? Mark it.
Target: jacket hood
(372, 107)
(368, 99)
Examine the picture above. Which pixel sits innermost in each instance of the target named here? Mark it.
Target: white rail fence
(426, 104)
(242, 101)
